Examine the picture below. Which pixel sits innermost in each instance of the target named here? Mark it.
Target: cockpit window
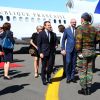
(8, 18)
(1, 18)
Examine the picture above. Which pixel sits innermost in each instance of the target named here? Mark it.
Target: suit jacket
(70, 40)
(44, 45)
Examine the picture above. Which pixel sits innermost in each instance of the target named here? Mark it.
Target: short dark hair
(6, 26)
(46, 22)
(61, 28)
(87, 17)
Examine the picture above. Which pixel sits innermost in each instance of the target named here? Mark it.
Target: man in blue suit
(69, 51)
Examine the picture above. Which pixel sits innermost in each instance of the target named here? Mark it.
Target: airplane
(81, 6)
(24, 21)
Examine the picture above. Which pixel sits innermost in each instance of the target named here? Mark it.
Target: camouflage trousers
(85, 72)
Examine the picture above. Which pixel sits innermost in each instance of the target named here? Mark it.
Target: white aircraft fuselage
(24, 21)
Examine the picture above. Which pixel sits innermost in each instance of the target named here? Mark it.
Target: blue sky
(51, 5)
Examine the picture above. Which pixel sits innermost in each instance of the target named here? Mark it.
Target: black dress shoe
(74, 81)
(68, 81)
(82, 91)
(49, 80)
(44, 83)
(63, 76)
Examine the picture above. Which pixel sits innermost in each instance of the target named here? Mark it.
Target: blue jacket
(70, 44)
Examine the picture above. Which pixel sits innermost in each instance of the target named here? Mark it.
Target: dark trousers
(64, 65)
(47, 66)
(70, 64)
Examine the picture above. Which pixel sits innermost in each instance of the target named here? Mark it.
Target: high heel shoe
(7, 78)
(36, 75)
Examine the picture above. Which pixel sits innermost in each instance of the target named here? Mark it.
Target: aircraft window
(49, 19)
(47, 15)
(38, 19)
(60, 21)
(50, 16)
(54, 20)
(32, 19)
(44, 19)
(64, 21)
(1, 18)
(20, 19)
(8, 18)
(14, 18)
(26, 19)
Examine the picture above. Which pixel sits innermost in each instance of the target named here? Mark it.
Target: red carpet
(12, 65)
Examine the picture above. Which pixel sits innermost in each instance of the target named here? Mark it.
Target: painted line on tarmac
(53, 89)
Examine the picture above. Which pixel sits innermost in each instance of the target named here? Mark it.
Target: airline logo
(97, 10)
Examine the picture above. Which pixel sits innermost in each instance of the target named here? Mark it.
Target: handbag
(33, 51)
(6, 43)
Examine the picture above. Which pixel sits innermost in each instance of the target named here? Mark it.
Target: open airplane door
(97, 10)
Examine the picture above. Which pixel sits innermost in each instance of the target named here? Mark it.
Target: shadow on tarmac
(96, 70)
(56, 79)
(11, 72)
(56, 68)
(17, 60)
(21, 75)
(12, 89)
(95, 87)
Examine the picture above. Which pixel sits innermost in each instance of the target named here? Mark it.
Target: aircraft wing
(97, 10)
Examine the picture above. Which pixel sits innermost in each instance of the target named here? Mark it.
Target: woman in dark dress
(8, 53)
(33, 44)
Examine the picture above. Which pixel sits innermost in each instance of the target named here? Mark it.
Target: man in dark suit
(46, 47)
(69, 51)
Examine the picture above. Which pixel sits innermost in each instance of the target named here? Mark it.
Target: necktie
(73, 31)
(49, 36)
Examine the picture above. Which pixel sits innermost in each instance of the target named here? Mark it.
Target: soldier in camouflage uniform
(85, 45)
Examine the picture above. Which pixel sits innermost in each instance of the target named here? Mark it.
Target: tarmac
(24, 86)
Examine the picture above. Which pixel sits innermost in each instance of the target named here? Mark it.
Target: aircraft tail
(97, 10)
